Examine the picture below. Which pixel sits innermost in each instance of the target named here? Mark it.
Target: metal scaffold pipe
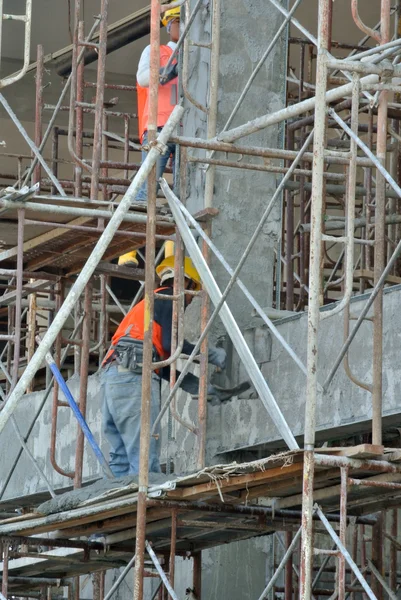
(259, 310)
(232, 329)
(88, 269)
(380, 242)
(292, 111)
(149, 298)
(318, 193)
(281, 566)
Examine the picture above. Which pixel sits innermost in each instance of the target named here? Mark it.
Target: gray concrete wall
(25, 480)
(345, 408)
(240, 195)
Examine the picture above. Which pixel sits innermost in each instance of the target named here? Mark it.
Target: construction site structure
(332, 510)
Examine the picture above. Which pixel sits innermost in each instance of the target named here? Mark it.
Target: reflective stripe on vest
(167, 97)
(133, 325)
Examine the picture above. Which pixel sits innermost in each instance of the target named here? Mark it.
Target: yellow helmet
(170, 15)
(166, 271)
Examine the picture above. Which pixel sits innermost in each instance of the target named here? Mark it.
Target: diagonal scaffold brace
(245, 354)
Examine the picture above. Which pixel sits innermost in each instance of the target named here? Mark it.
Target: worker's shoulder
(167, 291)
(163, 47)
(163, 304)
(146, 50)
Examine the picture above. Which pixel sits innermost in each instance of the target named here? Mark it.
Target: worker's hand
(171, 73)
(217, 395)
(217, 357)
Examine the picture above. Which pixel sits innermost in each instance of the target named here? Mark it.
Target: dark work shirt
(163, 316)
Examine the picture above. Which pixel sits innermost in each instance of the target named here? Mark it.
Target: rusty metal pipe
(380, 246)
(147, 372)
(83, 384)
(38, 108)
(55, 404)
(101, 76)
(361, 25)
(18, 305)
(343, 530)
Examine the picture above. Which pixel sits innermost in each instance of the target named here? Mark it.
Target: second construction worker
(167, 99)
(122, 373)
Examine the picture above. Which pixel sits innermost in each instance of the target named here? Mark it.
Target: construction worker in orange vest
(122, 373)
(167, 99)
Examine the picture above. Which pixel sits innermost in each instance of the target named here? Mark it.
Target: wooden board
(360, 451)
(366, 274)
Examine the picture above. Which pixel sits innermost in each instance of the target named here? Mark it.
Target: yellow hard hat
(166, 270)
(170, 15)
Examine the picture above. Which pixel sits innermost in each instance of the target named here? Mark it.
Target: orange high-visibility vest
(133, 326)
(167, 97)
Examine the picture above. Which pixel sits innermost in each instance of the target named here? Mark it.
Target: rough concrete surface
(71, 500)
(240, 195)
(345, 407)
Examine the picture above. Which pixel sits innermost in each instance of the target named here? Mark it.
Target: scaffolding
(338, 175)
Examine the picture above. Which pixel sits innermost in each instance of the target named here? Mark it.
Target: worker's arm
(164, 317)
(189, 384)
(215, 394)
(143, 72)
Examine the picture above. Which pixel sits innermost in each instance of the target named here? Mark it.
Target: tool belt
(128, 353)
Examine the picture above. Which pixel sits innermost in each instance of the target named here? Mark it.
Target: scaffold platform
(217, 505)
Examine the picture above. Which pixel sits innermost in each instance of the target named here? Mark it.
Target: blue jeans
(161, 164)
(122, 393)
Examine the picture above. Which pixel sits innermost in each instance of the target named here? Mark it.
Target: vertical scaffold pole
(101, 73)
(314, 295)
(380, 243)
(149, 306)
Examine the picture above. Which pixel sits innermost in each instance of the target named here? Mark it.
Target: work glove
(171, 73)
(217, 357)
(218, 395)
